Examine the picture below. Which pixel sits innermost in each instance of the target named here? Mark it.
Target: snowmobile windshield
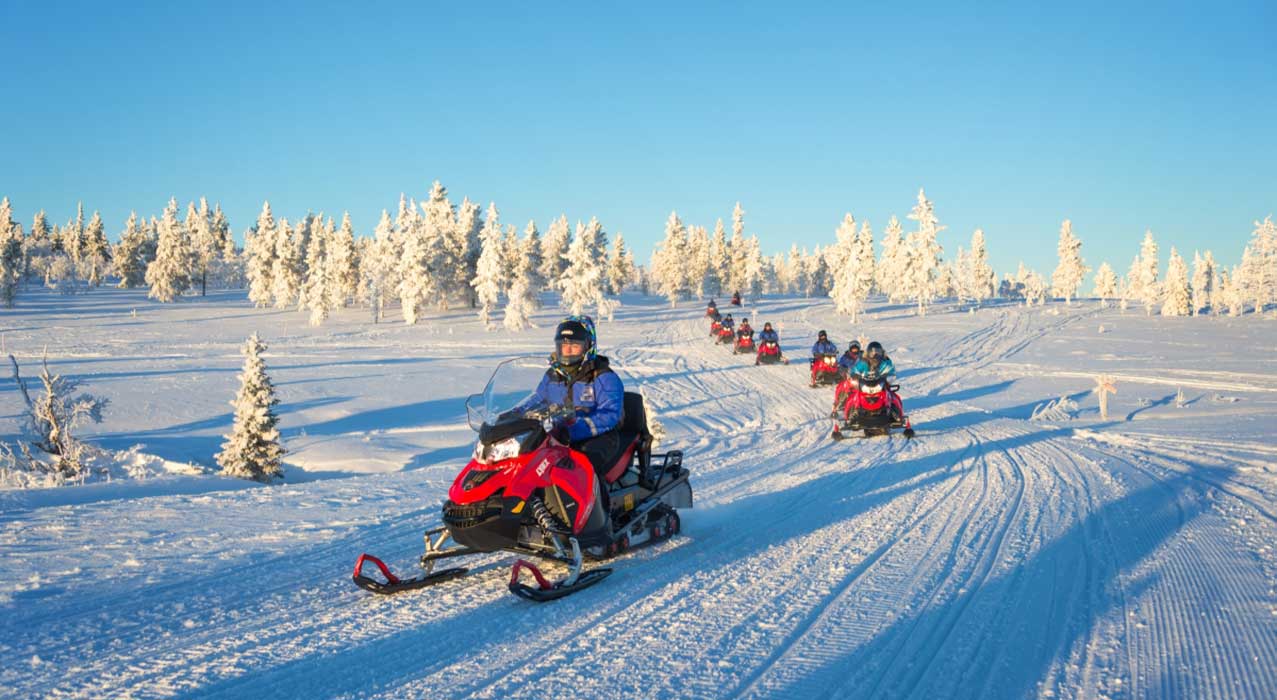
(510, 393)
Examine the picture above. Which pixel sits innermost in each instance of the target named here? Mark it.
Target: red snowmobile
(769, 354)
(870, 404)
(526, 491)
(744, 342)
(726, 334)
(711, 310)
(715, 327)
(824, 370)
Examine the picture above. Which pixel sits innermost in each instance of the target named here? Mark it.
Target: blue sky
(1012, 117)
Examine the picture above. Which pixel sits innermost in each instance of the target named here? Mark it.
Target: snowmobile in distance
(726, 334)
(769, 354)
(715, 326)
(711, 309)
(744, 343)
(528, 492)
(871, 404)
(824, 370)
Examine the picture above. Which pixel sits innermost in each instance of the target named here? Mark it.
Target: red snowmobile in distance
(824, 370)
(715, 327)
(871, 404)
(528, 492)
(726, 334)
(744, 342)
(711, 309)
(769, 354)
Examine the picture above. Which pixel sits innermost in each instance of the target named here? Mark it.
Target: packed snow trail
(993, 556)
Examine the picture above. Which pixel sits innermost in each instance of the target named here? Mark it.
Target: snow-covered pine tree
(1231, 293)
(169, 274)
(1034, 289)
(37, 248)
(1132, 288)
(923, 271)
(1263, 278)
(581, 282)
(415, 283)
(129, 264)
(490, 270)
(1068, 275)
(511, 251)
(532, 248)
(314, 295)
(205, 247)
(286, 275)
(981, 279)
(252, 449)
(1105, 283)
(343, 263)
(699, 261)
(1150, 290)
(1203, 281)
(620, 265)
(669, 262)
(736, 253)
(377, 269)
(11, 262)
(755, 269)
(554, 251)
(1177, 298)
(842, 261)
(891, 268)
(440, 221)
(97, 251)
(259, 253)
(720, 260)
(816, 274)
(855, 278)
(463, 243)
(597, 237)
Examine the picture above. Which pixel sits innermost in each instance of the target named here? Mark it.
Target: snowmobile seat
(635, 439)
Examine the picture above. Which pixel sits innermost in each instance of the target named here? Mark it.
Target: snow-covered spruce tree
(554, 251)
(343, 264)
(1263, 280)
(720, 260)
(205, 247)
(462, 243)
(169, 275)
(11, 262)
(959, 273)
(1132, 288)
(797, 267)
(816, 273)
(314, 296)
(1231, 293)
(581, 282)
(227, 267)
(1068, 275)
(416, 285)
(923, 272)
(287, 270)
(377, 268)
(488, 278)
(891, 267)
(982, 282)
(620, 265)
(736, 252)
(1203, 281)
(855, 279)
(1034, 289)
(1248, 277)
(129, 264)
(531, 247)
(97, 251)
(597, 237)
(37, 248)
(252, 449)
(843, 247)
(669, 263)
(259, 253)
(754, 268)
(1105, 283)
(1176, 296)
(511, 251)
(698, 259)
(439, 222)
(1150, 290)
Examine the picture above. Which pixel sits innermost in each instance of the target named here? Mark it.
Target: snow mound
(1062, 408)
(101, 466)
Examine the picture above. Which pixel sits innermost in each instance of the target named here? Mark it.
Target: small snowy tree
(669, 262)
(1263, 276)
(581, 282)
(379, 267)
(1067, 278)
(252, 449)
(97, 251)
(343, 263)
(1034, 289)
(981, 281)
(891, 267)
(1105, 283)
(554, 251)
(488, 275)
(620, 266)
(53, 417)
(11, 261)
(923, 271)
(522, 298)
(168, 275)
(314, 296)
(1132, 288)
(720, 261)
(855, 279)
(1176, 295)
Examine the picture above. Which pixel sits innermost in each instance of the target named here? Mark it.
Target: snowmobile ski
(546, 591)
(393, 584)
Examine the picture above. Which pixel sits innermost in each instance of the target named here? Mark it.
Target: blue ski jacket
(766, 336)
(885, 368)
(598, 396)
(847, 363)
(824, 348)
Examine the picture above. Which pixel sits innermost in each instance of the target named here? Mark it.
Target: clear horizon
(1012, 120)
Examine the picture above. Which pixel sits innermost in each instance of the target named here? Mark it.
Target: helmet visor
(570, 351)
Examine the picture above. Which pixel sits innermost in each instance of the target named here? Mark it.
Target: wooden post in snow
(1104, 386)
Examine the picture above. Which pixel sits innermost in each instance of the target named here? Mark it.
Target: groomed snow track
(992, 557)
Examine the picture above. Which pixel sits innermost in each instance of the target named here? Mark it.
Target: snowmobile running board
(394, 584)
(546, 591)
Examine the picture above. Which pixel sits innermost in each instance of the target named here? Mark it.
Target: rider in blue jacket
(823, 346)
(848, 361)
(598, 394)
(767, 335)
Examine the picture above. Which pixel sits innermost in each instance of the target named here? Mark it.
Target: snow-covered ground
(1014, 549)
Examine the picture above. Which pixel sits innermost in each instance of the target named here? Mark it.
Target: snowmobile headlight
(871, 388)
(501, 450)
